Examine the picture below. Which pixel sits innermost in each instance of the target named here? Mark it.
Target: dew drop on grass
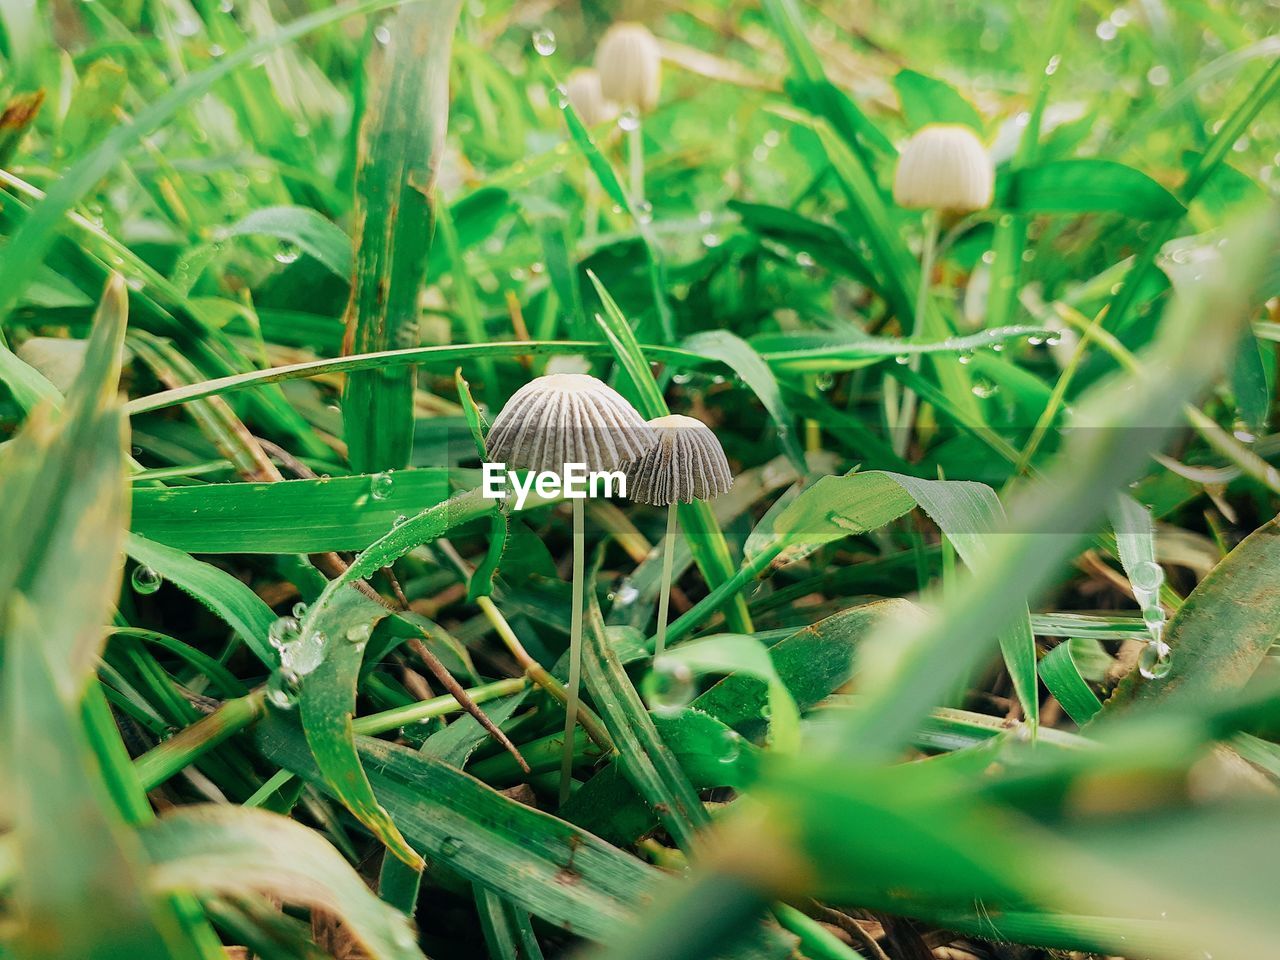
(381, 485)
(902, 359)
(1155, 661)
(711, 239)
(145, 580)
(544, 41)
(282, 689)
(629, 120)
(382, 35)
(984, 389)
(627, 594)
(283, 632)
(824, 382)
(287, 253)
(1147, 576)
(399, 521)
(359, 634)
(644, 211)
(671, 687)
(452, 846)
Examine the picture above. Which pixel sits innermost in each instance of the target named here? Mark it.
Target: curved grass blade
(1061, 675)
(239, 851)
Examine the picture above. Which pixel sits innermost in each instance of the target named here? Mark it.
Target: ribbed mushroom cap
(568, 418)
(944, 166)
(630, 66)
(582, 87)
(686, 464)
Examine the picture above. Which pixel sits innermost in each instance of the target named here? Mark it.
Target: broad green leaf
(228, 851)
(736, 353)
(294, 516)
(927, 99)
(401, 137)
(1088, 186)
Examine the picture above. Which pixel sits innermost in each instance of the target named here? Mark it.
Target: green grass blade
(401, 136)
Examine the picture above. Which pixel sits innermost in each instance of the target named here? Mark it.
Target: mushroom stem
(664, 595)
(635, 162)
(907, 412)
(575, 648)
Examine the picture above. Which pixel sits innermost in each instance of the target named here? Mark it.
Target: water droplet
(965, 356)
(1051, 67)
(805, 259)
(562, 97)
(772, 138)
(186, 26)
(1034, 340)
(381, 485)
(283, 632)
(216, 50)
(644, 211)
(1147, 576)
(1106, 30)
(1158, 76)
(902, 359)
(983, 389)
(399, 521)
(1153, 617)
(382, 35)
(824, 382)
(672, 686)
(705, 217)
(299, 610)
(288, 253)
(452, 846)
(627, 594)
(282, 689)
(711, 239)
(145, 580)
(544, 41)
(681, 378)
(359, 634)
(226, 6)
(629, 120)
(1155, 661)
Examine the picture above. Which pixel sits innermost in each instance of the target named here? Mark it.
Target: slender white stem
(664, 596)
(575, 648)
(635, 163)
(907, 412)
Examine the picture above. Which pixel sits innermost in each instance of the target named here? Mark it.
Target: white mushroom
(686, 464)
(630, 66)
(552, 421)
(944, 166)
(582, 87)
(568, 418)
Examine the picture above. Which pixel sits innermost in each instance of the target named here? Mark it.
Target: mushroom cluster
(564, 418)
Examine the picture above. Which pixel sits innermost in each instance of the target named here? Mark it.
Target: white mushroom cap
(568, 418)
(582, 87)
(630, 66)
(944, 166)
(686, 464)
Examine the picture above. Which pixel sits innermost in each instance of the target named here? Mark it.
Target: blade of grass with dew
(697, 522)
(291, 516)
(1127, 425)
(229, 851)
(27, 247)
(402, 134)
(1222, 632)
(227, 597)
(604, 172)
(739, 355)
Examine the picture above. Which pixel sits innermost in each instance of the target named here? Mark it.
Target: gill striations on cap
(630, 66)
(568, 418)
(687, 463)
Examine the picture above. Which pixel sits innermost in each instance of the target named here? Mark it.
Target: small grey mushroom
(568, 418)
(552, 421)
(686, 463)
